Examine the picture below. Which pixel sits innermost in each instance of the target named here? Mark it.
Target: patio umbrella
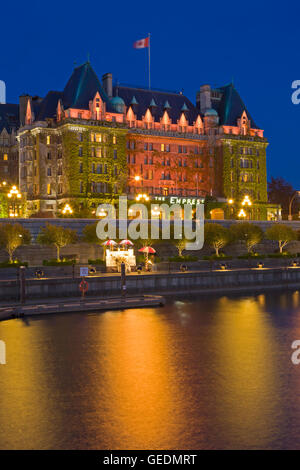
(147, 250)
(109, 243)
(126, 242)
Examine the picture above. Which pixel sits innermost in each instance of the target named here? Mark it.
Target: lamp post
(67, 210)
(242, 214)
(230, 202)
(142, 195)
(246, 202)
(14, 195)
(296, 193)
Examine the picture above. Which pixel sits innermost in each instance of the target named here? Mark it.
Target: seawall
(248, 280)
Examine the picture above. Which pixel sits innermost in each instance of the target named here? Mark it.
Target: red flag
(141, 43)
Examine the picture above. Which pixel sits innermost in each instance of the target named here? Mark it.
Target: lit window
(114, 139)
(48, 140)
(162, 147)
(48, 189)
(5, 157)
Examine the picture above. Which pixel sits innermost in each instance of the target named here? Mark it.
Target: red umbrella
(147, 249)
(126, 242)
(109, 243)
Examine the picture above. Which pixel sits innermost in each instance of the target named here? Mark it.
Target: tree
(282, 234)
(216, 236)
(280, 192)
(247, 233)
(180, 244)
(57, 236)
(12, 236)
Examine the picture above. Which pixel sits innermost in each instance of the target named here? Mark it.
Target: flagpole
(149, 61)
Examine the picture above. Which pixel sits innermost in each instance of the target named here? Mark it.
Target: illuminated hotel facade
(95, 141)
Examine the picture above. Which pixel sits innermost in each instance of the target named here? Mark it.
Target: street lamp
(14, 195)
(246, 201)
(102, 213)
(296, 193)
(155, 212)
(144, 197)
(242, 213)
(67, 210)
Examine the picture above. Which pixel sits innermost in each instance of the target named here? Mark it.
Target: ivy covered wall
(94, 166)
(232, 171)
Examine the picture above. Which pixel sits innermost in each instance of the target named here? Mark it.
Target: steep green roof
(231, 107)
(82, 87)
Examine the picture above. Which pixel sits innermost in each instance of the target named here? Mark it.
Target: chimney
(107, 84)
(2, 92)
(23, 99)
(205, 98)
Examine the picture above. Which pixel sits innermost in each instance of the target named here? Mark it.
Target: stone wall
(35, 254)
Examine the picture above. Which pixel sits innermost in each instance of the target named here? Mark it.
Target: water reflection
(207, 373)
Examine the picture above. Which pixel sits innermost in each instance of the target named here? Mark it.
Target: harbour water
(195, 374)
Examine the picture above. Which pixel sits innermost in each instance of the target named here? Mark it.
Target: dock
(74, 305)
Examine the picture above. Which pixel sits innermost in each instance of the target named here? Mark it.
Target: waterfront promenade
(205, 281)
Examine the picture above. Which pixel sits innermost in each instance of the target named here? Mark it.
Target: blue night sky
(256, 43)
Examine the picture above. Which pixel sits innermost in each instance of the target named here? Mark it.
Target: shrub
(281, 255)
(55, 262)
(186, 258)
(215, 257)
(251, 255)
(96, 261)
(14, 264)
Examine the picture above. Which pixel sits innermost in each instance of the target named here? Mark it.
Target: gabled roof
(9, 116)
(231, 107)
(145, 97)
(82, 87)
